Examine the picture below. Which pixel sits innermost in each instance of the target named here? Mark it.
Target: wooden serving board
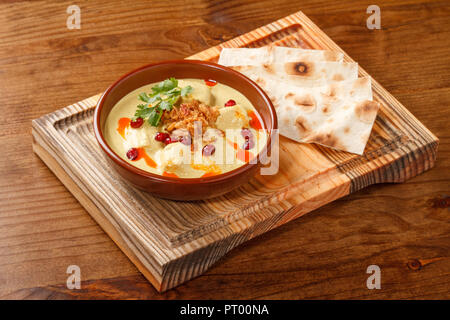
(171, 242)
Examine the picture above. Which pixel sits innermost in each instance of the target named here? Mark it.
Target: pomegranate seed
(186, 140)
(161, 136)
(132, 154)
(230, 103)
(246, 133)
(169, 140)
(208, 150)
(210, 83)
(137, 123)
(248, 144)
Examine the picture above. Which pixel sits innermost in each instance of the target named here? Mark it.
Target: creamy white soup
(187, 128)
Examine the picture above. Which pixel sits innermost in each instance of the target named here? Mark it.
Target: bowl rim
(160, 178)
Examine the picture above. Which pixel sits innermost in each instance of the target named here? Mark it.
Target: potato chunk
(173, 156)
(142, 137)
(200, 92)
(232, 118)
(136, 138)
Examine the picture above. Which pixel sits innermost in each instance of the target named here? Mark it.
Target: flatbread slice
(302, 73)
(339, 115)
(274, 54)
(287, 54)
(318, 98)
(245, 56)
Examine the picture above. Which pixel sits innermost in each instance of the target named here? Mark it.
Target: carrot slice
(143, 155)
(254, 121)
(169, 174)
(244, 155)
(241, 154)
(122, 125)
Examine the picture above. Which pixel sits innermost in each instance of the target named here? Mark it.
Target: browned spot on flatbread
(302, 126)
(273, 99)
(260, 81)
(269, 68)
(366, 111)
(300, 68)
(327, 105)
(338, 77)
(346, 130)
(326, 100)
(326, 139)
(326, 109)
(306, 103)
(360, 83)
(289, 95)
(331, 56)
(331, 91)
(239, 68)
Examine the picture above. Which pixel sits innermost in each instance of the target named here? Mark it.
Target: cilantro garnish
(163, 96)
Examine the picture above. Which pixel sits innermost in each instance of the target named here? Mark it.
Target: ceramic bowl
(180, 188)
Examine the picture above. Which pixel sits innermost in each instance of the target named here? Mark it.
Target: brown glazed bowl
(172, 187)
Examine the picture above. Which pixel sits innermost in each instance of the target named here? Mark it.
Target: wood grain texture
(411, 218)
(175, 241)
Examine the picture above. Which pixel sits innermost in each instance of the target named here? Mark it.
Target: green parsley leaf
(154, 98)
(144, 97)
(165, 105)
(186, 90)
(163, 96)
(154, 116)
(165, 85)
(142, 112)
(173, 92)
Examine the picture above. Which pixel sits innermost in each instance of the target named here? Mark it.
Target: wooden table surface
(403, 228)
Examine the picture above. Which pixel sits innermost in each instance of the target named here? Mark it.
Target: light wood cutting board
(171, 242)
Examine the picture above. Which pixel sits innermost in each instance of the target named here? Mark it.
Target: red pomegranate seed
(248, 144)
(210, 83)
(137, 123)
(133, 153)
(230, 103)
(186, 140)
(208, 150)
(246, 133)
(161, 136)
(169, 140)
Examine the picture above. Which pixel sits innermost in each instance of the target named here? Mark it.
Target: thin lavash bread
(339, 115)
(287, 54)
(316, 101)
(302, 73)
(336, 114)
(274, 54)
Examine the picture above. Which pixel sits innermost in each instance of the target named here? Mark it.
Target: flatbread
(318, 98)
(274, 54)
(302, 73)
(286, 54)
(339, 115)
(245, 56)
